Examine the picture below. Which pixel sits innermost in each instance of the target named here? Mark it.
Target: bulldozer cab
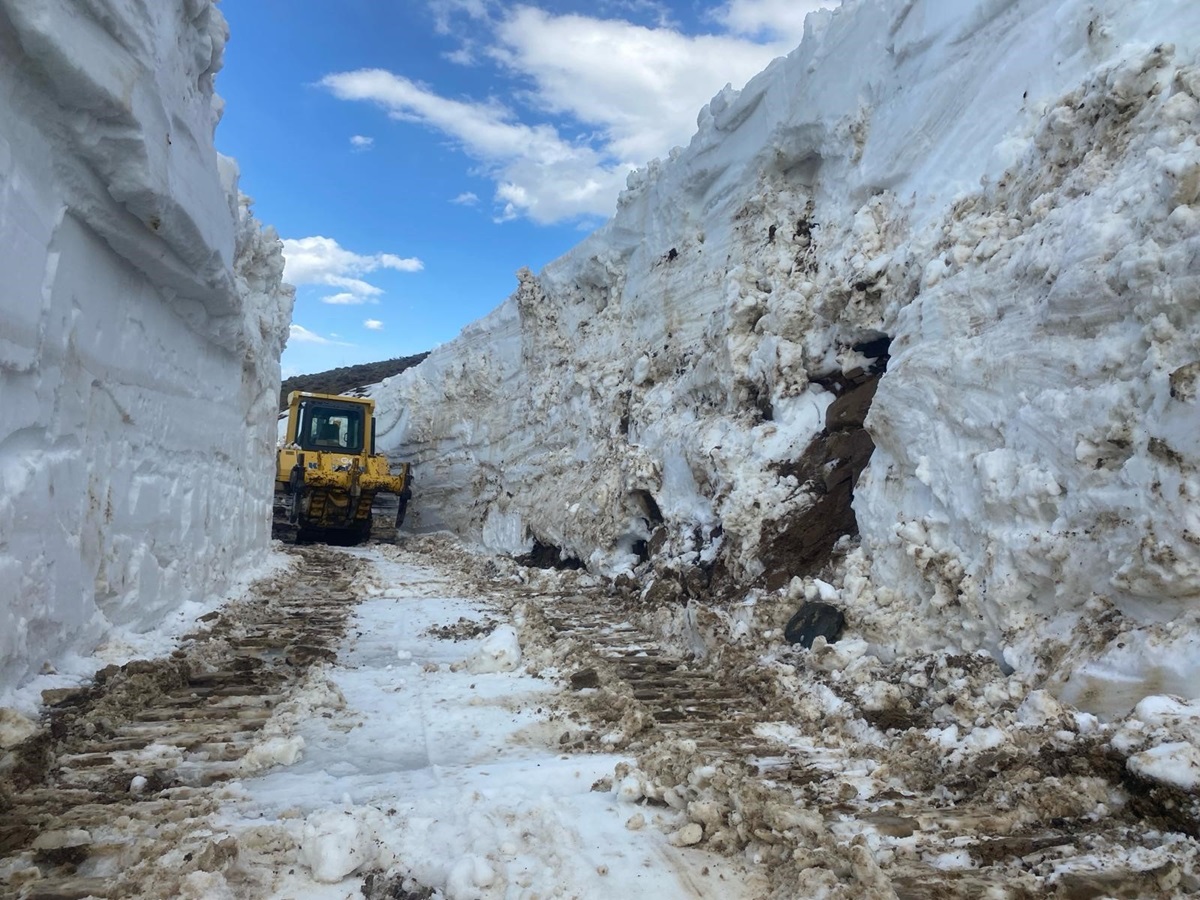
(326, 425)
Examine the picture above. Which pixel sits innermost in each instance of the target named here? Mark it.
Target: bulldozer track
(128, 774)
(126, 770)
(672, 691)
(795, 807)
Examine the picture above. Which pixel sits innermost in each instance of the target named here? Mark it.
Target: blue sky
(414, 154)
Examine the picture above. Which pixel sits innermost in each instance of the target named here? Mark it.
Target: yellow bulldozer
(327, 473)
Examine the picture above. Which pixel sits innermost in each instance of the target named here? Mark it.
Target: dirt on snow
(833, 771)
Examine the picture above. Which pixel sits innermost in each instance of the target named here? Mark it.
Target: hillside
(347, 379)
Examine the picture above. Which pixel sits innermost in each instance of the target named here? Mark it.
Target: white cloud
(782, 19)
(392, 261)
(608, 94)
(298, 334)
(641, 86)
(353, 285)
(445, 10)
(466, 199)
(559, 179)
(321, 260)
(361, 142)
(463, 56)
(373, 325)
(348, 299)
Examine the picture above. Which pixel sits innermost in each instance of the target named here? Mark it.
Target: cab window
(331, 429)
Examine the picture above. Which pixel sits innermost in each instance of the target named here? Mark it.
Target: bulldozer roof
(341, 398)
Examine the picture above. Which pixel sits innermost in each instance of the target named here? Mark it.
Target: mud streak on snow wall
(141, 323)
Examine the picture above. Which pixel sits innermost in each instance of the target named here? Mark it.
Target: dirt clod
(585, 678)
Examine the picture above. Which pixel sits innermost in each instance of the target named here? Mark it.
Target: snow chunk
(65, 837)
(14, 728)
(1038, 708)
(630, 789)
(467, 876)
(952, 861)
(500, 651)
(334, 844)
(1176, 764)
(687, 836)
(274, 751)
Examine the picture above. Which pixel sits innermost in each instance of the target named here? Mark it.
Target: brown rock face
(829, 469)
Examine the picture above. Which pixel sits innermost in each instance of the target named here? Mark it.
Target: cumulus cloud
(463, 56)
(348, 299)
(598, 96)
(353, 285)
(321, 260)
(373, 325)
(298, 334)
(659, 12)
(783, 19)
(361, 142)
(557, 179)
(444, 12)
(466, 199)
(642, 87)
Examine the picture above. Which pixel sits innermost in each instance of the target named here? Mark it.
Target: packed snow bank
(141, 323)
(1009, 190)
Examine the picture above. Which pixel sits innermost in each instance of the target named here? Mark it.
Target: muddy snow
(415, 720)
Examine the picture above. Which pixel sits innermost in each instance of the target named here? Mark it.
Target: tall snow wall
(141, 322)
(1009, 192)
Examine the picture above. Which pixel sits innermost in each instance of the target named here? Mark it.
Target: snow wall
(141, 322)
(1009, 190)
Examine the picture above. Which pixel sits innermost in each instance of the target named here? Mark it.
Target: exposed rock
(585, 678)
(815, 619)
(547, 556)
(829, 469)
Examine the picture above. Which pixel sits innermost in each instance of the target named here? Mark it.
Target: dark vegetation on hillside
(347, 379)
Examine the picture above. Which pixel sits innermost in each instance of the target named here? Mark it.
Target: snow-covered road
(417, 721)
(430, 753)
(360, 721)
